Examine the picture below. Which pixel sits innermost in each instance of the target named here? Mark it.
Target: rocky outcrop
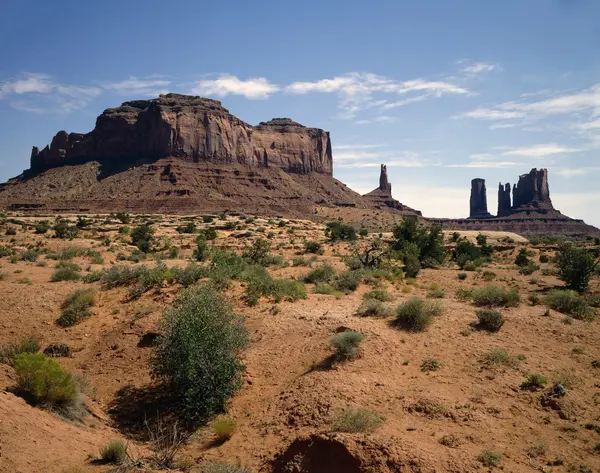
(190, 128)
(478, 201)
(382, 195)
(504, 200)
(532, 191)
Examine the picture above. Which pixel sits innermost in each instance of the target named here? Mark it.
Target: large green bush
(428, 242)
(43, 382)
(417, 314)
(495, 296)
(340, 231)
(66, 271)
(143, 237)
(199, 349)
(575, 266)
(571, 303)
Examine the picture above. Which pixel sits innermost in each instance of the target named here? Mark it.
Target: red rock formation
(190, 128)
(382, 196)
(478, 201)
(532, 191)
(503, 200)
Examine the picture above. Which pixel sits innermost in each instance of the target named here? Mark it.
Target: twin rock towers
(531, 193)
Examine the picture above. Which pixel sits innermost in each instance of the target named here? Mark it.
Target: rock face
(382, 195)
(503, 200)
(191, 128)
(478, 201)
(532, 191)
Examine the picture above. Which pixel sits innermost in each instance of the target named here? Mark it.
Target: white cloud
(541, 150)
(139, 87)
(379, 119)
(486, 165)
(591, 125)
(480, 156)
(402, 103)
(573, 172)
(42, 95)
(500, 126)
(356, 155)
(405, 163)
(479, 67)
(490, 114)
(359, 146)
(254, 88)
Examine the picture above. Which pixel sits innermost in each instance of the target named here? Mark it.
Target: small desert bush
(313, 247)
(575, 266)
(114, 452)
(8, 351)
(373, 308)
(417, 314)
(76, 307)
(544, 258)
(534, 381)
(569, 302)
(461, 276)
(43, 382)
(488, 276)
(435, 292)
(326, 288)
(323, 273)
(534, 298)
(348, 281)
(430, 364)
(346, 345)
(489, 458)
(300, 261)
(143, 237)
(260, 283)
(499, 356)
(219, 467)
(198, 352)
(378, 294)
(30, 255)
(94, 276)
(495, 296)
(529, 269)
(355, 420)
(490, 319)
(66, 271)
(464, 295)
(223, 428)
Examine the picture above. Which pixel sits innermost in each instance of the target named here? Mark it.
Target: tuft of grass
(435, 292)
(346, 345)
(534, 381)
(66, 271)
(378, 294)
(373, 308)
(490, 458)
(219, 467)
(76, 307)
(8, 351)
(490, 319)
(326, 288)
(495, 296)
(224, 428)
(571, 303)
(499, 356)
(488, 276)
(114, 452)
(430, 364)
(464, 295)
(417, 314)
(357, 419)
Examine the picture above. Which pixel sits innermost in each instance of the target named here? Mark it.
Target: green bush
(346, 345)
(323, 273)
(223, 428)
(425, 242)
(340, 231)
(313, 247)
(529, 269)
(534, 381)
(43, 382)
(219, 467)
(490, 319)
(143, 237)
(30, 255)
(62, 229)
(356, 420)
(207, 219)
(488, 276)
(499, 356)
(544, 258)
(417, 314)
(348, 281)
(114, 452)
(260, 283)
(522, 258)
(258, 252)
(42, 227)
(466, 252)
(202, 250)
(435, 292)
(489, 458)
(8, 351)
(378, 294)
(326, 288)
(208, 234)
(569, 302)
(575, 266)
(462, 276)
(190, 227)
(11, 231)
(66, 271)
(373, 308)
(199, 349)
(495, 296)
(430, 364)
(76, 307)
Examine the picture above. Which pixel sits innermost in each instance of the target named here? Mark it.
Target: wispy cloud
(485, 164)
(490, 114)
(478, 68)
(257, 88)
(360, 146)
(139, 87)
(576, 171)
(405, 163)
(379, 119)
(39, 93)
(540, 150)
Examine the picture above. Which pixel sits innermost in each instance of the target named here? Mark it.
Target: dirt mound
(320, 453)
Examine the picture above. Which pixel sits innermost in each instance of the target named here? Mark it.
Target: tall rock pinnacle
(503, 200)
(478, 199)
(384, 184)
(532, 190)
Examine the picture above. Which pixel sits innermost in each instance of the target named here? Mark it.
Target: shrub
(435, 292)
(575, 267)
(76, 307)
(208, 234)
(373, 308)
(378, 294)
(462, 276)
(320, 274)
(190, 227)
(522, 258)
(534, 381)
(301, 262)
(224, 428)
(62, 229)
(412, 265)
(529, 269)
(207, 219)
(114, 452)
(8, 351)
(430, 364)
(340, 231)
(30, 255)
(499, 356)
(219, 467)
(355, 420)
(490, 320)
(143, 237)
(202, 250)
(569, 302)
(313, 247)
(198, 353)
(544, 258)
(465, 252)
(348, 281)
(257, 253)
(488, 276)
(534, 298)
(495, 296)
(66, 271)
(489, 458)
(346, 345)
(122, 217)
(326, 288)
(417, 314)
(42, 227)
(11, 231)
(427, 242)
(43, 382)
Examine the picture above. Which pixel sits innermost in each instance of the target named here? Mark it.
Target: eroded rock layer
(381, 197)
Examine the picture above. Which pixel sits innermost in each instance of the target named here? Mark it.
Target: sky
(442, 91)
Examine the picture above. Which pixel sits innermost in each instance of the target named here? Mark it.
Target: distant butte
(382, 195)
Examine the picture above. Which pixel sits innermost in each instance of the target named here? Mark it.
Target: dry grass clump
(417, 314)
(357, 419)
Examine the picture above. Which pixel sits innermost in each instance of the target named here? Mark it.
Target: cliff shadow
(108, 168)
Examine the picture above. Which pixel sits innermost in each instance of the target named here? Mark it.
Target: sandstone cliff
(191, 128)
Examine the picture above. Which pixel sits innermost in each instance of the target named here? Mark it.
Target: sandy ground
(286, 397)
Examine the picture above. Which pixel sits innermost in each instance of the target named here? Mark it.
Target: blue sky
(442, 91)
